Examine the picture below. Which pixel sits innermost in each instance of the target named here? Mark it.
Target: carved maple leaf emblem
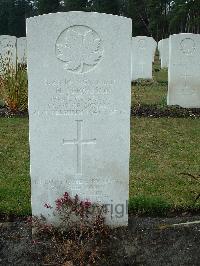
(80, 49)
(187, 46)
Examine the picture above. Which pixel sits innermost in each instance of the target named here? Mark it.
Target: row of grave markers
(13, 49)
(180, 53)
(79, 106)
(143, 51)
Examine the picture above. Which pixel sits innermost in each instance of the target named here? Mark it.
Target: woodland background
(156, 18)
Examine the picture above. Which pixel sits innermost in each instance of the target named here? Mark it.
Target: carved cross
(79, 142)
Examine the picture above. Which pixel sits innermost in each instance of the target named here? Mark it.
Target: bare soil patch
(147, 241)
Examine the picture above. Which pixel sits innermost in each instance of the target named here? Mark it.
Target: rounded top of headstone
(7, 36)
(76, 13)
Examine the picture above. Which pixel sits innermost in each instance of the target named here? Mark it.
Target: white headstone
(7, 51)
(21, 50)
(79, 106)
(159, 48)
(163, 47)
(143, 51)
(184, 70)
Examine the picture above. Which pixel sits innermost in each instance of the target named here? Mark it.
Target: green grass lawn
(160, 150)
(149, 94)
(153, 92)
(14, 166)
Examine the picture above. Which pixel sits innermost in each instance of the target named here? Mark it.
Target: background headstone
(79, 107)
(154, 47)
(184, 70)
(21, 50)
(7, 51)
(163, 47)
(143, 51)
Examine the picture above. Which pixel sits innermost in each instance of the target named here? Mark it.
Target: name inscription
(78, 97)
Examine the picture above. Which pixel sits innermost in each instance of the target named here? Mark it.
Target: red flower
(46, 205)
(87, 204)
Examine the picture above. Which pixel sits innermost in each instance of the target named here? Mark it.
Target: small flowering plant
(72, 210)
(80, 235)
(79, 208)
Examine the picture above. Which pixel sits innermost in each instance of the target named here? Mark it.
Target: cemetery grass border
(154, 173)
(144, 110)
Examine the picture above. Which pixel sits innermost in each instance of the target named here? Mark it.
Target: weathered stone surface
(163, 47)
(184, 69)
(79, 107)
(21, 50)
(154, 46)
(7, 51)
(143, 51)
